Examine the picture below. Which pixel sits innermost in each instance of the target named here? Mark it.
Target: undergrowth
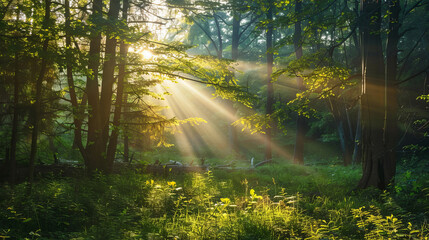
(271, 202)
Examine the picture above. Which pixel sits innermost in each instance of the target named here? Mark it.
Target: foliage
(278, 201)
(240, 205)
(255, 123)
(377, 226)
(322, 78)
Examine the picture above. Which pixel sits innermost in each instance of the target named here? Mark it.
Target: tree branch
(413, 76)
(206, 32)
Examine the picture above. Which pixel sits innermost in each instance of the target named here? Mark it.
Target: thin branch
(413, 76)
(206, 32)
(223, 20)
(332, 48)
(144, 21)
(208, 50)
(155, 15)
(249, 42)
(413, 7)
(3, 14)
(247, 26)
(405, 59)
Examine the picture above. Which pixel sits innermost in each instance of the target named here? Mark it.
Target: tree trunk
(270, 89)
(374, 161)
(94, 149)
(391, 104)
(236, 19)
(11, 153)
(301, 122)
(108, 79)
(219, 37)
(77, 115)
(11, 165)
(125, 126)
(113, 142)
(339, 113)
(38, 100)
(357, 149)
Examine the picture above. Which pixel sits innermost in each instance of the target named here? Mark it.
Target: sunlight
(182, 119)
(186, 105)
(146, 54)
(188, 100)
(210, 101)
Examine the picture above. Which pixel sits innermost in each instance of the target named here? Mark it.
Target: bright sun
(146, 54)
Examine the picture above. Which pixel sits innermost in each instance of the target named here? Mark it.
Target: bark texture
(94, 147)
(113, 142)
(390, 124)
(374, 161)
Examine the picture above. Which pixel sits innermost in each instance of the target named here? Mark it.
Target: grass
(278, 201)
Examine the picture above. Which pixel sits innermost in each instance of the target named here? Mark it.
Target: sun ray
(188, 100)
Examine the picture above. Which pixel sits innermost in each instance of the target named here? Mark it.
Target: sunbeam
(190, 100)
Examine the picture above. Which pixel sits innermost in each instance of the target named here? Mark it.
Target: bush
(261, 204)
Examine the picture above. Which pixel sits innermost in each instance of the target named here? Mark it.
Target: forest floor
(274, 201)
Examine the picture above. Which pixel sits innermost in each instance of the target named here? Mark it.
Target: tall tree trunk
(108, 79)
(125, 126)
(391, 104)
(94, 148)
(38, 100)
(374, 161)
(77, 115)
(11, 165)
(357, 149)
(11, 159)
(113, 141)
(301, 122)
(236, 19)
(219, 37)
(270, 88)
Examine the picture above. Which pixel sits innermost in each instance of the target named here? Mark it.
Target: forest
(214, 119)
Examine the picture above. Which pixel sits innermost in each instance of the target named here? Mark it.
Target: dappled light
(231, 119)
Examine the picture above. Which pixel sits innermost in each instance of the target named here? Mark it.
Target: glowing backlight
(146, 54)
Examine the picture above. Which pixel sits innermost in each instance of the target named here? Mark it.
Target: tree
(11, 160)
(18, 41)
(301, 125)
(38, 98)
(376, 166)
(391, 100)
(113, 141)
(94, 149)
(212, 22)
(270, 87)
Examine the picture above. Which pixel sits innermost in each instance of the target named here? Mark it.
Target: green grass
(278, 201)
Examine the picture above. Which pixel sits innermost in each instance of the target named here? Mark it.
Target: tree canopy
(97, 77)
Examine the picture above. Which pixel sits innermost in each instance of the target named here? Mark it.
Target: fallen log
(263, 163)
